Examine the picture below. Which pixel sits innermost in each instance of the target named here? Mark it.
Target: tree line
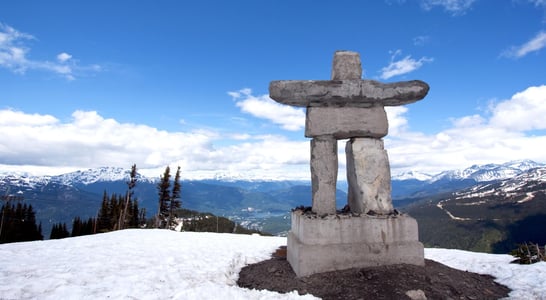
(116, 212)
(122, 211)
(18, 224)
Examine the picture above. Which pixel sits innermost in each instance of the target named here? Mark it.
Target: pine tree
(164, 199)
(64, 230)
(18, 224)
(175, 202)
(123, 219)
(114, 211)
(142, 217)
(103, 218)
(59, 231)
(77, 227)
(134, 215)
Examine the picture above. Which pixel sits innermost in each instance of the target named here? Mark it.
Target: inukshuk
(347, 107)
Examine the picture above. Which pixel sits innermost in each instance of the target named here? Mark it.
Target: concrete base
(339, 242)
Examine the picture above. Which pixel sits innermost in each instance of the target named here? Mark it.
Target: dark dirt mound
(437, 281)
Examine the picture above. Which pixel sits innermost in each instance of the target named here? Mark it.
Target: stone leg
(368, 175)
(324, 174)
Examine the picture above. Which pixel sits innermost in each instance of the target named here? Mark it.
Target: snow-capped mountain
(103, 174)
(420, 176)
(23, 180)
(489, 172)
(411, 185)
(61, 198)
(478, 173)
(86, 177)
(524, 186)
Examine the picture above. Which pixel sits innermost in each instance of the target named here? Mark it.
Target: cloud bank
(511, 129)
(42, 143)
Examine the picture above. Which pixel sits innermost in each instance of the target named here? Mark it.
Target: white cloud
(402, 66)
(12, 52)
(455, 7)
(509, 130)
(523, 112)
(63, 57)
(506, 134)
(88, 140)
(14, 56)
(288, 117)
(33, 142)
(535, 44)
(9, 117)
(397, 122)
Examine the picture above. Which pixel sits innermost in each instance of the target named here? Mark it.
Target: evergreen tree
(54, 232)
(134, 220)
(164, 199)
(109, 215)
(86, 227)
(175, 202)
(77, 227)
(114, 211)
(18, 224)
(64, 230)
(59, 231)
(142, 217)
(124, 219)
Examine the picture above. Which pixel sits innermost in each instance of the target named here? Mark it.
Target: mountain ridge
(478, 173)
(63, 197)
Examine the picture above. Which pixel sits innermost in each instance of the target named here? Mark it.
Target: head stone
(346, 66)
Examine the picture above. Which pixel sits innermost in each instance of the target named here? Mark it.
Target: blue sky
(112, 83)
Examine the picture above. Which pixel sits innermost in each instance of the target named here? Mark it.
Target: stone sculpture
(347, 107)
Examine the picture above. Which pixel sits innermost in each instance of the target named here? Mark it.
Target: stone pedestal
(338, 242)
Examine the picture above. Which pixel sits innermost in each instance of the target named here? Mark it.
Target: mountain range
(263, 205)
(487, 216)
(478, 173)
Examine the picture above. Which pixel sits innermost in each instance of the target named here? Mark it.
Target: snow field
(135, 264)
(525, 281)
(163, 264)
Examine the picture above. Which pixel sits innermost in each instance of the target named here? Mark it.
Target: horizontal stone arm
(346, 93)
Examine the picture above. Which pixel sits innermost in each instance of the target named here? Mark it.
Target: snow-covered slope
(524, 185)
(23, 180)
(86, 177)
(163, 264)
(489, 172)
(412, 175)
(479, 173)
(90, 176)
